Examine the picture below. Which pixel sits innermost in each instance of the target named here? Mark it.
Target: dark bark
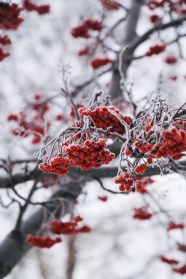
(104, 172)
(130, 35)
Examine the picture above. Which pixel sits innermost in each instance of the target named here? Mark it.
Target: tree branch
(14, 246)
(130, 34)
(139, 40)
(104, 172)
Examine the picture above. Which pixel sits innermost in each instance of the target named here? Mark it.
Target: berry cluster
(154, 18)
(32, 128)
(125, 180)
(89, 155)
(103, 198)
(9, 16)
(5, 40)
(128, 183)
(181, 123)
(150, 138)
(155, 50)
(173, 143)
(168, 261)
(84, 51)
(173, 226)
(141, 169)
(170, 60)
(180, 270)
(3, 54)
(177, 6)
(26, 128)
(100, 62)
(42, 241)
(107, 117)
(143, 147)
(154, 4)
(68, 228)
(145, 181)
(82, 31)
(173, 77)
(142, 213)
(10, 19)
(41, 10)
(39, 107)
(110, 5)
(58, 165)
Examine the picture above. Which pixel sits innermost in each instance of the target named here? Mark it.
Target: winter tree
(93, 139)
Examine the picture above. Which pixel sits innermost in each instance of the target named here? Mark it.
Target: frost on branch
(78, 146)
(156, 134)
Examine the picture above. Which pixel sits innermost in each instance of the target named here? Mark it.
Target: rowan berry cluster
(9, 16)
(110, 4)
(89, 155)
(58, 227)
(155, 50)
(42, 241)
(125, 180)
(68, 228)
(25, 128)
(154, 4)
(3, 54)
(154, 18)
(145, 182)
(128, 183)
(5, 40)
(177, 6)
(107, 117)
(173, 77)
(168, 261)
(9, 20)
(84, 51)
(173, 226)
(100, 62)
(143, 147)
(142, 213)
(41, 9)
(141, 169)
(150, 137)
(58, 166)
(103, 198)
(36, 126)
(170, 60)
(180, 270)
(82, 31)
(172, 143)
